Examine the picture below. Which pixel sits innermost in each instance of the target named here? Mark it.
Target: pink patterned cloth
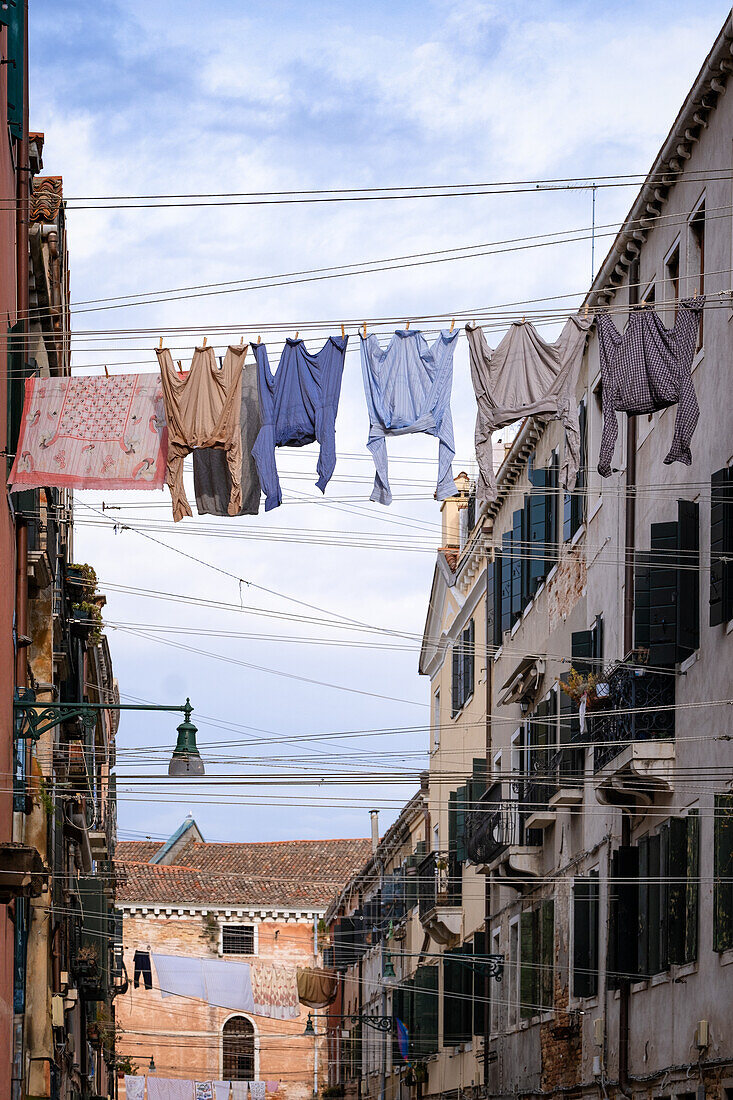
(92, 433)
(273, 1086)
(275, 991)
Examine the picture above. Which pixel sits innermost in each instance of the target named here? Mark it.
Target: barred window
(238, 939)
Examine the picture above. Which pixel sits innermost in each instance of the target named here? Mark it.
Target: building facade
(259, 904)
(579, 653)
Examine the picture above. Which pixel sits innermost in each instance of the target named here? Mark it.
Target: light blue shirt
(408, 387)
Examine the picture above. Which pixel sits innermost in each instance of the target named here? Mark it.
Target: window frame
(255, 1048)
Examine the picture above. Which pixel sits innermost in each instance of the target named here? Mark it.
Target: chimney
(450, 511)
(374, 815)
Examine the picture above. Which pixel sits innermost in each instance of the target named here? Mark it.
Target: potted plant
(87, 961)
(125, 1066)
(588, 684)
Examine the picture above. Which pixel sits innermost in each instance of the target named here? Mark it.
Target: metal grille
(238, 939)
(632, 688)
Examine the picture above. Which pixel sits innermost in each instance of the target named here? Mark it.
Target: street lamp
(379, 1023)
(32, 719)
(151, 1067)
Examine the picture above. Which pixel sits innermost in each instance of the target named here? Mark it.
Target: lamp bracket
(31, 719)
(379, 1023)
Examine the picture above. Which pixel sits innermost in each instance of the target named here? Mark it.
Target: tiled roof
(288, 874)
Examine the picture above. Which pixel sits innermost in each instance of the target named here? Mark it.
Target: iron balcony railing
(630, 712)
(494, 826)
(439, 881)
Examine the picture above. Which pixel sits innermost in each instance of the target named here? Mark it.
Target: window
(457, 996)
(721, 546)
(237, 939)
(537, 966)
(513, 982)
(723, 871)
(672, 268)
(585, 936)
(495, 1001)
(574, 504)
(666, 589)
(436, 719)
(696, 259)
(462, 670)
(238, 1049)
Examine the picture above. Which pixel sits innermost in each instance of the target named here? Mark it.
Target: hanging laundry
(141, 965)
(647, 368)
(218, 981)
(275, 991)
(92, 433)
(204, 1090)
(526, 376)
(169, 1088)
(317, 988)
(134, 1087)
(298, 406)
(240, 1090)
(212, 481)
(257, 1090)
(221, 1090)
(273, 1086)
(202, 410)
(408, 389)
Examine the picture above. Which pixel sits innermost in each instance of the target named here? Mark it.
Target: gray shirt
(526, 376)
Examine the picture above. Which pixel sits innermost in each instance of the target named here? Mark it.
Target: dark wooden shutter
(452, 831)
(677, 890)
(518, 556)
(425, 1013)
(721, 546)
(457, 1021)
(528, 960)
(642, 570)
(663, 595)
(398, 1013)
(506, 581)
(481, 983)
(585, 937)
(659, 865)
(644, 907)
(552, 511)
(688, 578)
(723, 860)
(581, 650)
(538, 566)
(692, 888)
(13, 16)
(469, 661)
(456, 678)
(623, 916)
(460, 803)
(490, 609)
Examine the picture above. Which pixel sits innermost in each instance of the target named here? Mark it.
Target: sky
(176, 98)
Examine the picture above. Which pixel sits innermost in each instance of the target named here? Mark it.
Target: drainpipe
(315, 1022)
(487, 885)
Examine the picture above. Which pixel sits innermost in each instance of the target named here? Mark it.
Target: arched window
(238, 1047)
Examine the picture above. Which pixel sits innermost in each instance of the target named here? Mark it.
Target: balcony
(556, 786)
(439, 896)
(498, 838)
(634, 749)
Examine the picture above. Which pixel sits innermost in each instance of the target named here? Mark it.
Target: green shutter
(677, 890)
(517, 563)
(452, 829)
(642, 572)
(498, 629)
(644, 906)
(490, 610)
(13, 16)
(456, 1008)
(95, 930)
(663, 595)
(585, 936)
(469, 661)
(552, 512)
(456, 676)
(581, 650)
(723, 890)
(692, 888)
(547, 953)
(721, 546)
(461, 850)
(506, 580)
(481, 983)
(528, 998)
(538, 566)
(424, 1039)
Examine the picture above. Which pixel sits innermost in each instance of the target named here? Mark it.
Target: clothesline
(134, 431)
(183, 1088)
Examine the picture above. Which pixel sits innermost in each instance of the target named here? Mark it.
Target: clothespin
(180, 368)
(204, 343)
(694, 293)
(106, 372)
(453, 324)
(296, 335)
(585, 311)
(259, 339)
(160, 344)
(365, 330)
(342, 332)
(523, 319)
(407, 325)
(241, 341)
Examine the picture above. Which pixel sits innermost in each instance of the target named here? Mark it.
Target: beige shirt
(203, 410)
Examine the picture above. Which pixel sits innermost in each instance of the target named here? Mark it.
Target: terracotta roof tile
(290, 874)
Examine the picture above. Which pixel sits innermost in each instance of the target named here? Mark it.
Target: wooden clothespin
(523, 319)
(259, 339)
(160, 344)
(407, 325)
(453, 324)
(106, 372)
(342, 332)
(180, 368)
(296, 335)
(241, 341)
(365, 330)
(585, 311)
(694, 293)
(204, 343)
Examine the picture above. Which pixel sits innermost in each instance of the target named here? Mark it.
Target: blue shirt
(298, 406)
(408, 388)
